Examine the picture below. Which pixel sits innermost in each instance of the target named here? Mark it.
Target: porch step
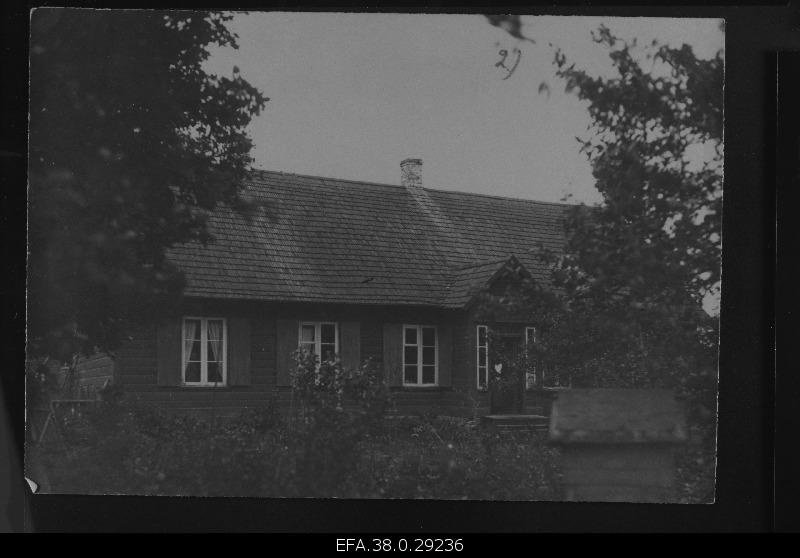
(516, 422)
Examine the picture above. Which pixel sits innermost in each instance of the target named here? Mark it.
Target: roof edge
(400, 187)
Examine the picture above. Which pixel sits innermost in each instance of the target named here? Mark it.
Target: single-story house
(353, 268)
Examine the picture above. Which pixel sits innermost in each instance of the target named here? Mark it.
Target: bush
(339, 407)
(337, 445)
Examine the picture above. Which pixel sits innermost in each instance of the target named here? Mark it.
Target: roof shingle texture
(327, 240)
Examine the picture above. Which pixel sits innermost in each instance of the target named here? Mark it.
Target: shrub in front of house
(337, 444)
(337, 409)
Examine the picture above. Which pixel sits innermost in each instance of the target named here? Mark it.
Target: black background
(761, 168)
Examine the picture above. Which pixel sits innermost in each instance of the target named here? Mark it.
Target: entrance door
(506, 374)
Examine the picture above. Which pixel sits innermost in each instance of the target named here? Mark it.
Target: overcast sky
(351, 95)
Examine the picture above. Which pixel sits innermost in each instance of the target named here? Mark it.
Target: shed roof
(617, 416)
(319, 239)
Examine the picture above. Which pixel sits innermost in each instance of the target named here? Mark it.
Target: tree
(636, 267)
(132, 143)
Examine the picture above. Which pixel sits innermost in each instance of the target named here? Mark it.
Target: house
(352, 268)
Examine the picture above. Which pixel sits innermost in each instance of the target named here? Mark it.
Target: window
(420, 355)
(482, 356)
(204, 350)
(320, 338)
(530, 336)
(530, 371)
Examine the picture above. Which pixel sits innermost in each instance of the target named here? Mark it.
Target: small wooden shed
(618, 444)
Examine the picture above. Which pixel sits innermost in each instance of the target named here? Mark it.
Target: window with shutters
(320, 338)
(482, 356)
(420, 355)
(204, 346)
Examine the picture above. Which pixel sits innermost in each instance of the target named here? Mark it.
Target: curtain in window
(188, 339)
(215, 339)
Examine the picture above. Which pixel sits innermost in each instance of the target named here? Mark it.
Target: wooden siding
(137, 360)
(619, 473)
(92, 374)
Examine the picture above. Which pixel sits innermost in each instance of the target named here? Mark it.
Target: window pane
(307, 334)
(328, 333)
(411, 336)
(482, 357)
(194, 352)
(428, 374)
(428, 336)
(481, 336)
(328, 351)
(410, 375)
(429, 355)
(192, 329)
(410, 355)
(214, 351)
(214, 372)
(215, 330)
(307, 347)
(193, 372)
(482, 375)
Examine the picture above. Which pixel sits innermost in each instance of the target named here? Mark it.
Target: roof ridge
(364, 182)
(510, 198)
(400, 187)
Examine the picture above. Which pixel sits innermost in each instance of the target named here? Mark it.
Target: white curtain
(215, 339)
(190, 328)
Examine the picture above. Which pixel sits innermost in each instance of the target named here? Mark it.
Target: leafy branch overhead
(637, 268)
(656, 238)
(131, 144)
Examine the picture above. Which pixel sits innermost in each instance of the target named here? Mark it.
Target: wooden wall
(137, 361)
(619, 473)
(92, 374)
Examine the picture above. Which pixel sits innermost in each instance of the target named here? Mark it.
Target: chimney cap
(410, 161)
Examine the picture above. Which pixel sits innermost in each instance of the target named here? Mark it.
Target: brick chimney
(411, 173)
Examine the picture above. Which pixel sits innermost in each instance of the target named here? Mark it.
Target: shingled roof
(626, 416)
(328, 240)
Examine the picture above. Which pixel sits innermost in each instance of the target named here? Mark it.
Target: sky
(351, 95)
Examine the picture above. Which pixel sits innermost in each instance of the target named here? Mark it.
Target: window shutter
(285, 346)
(393, 354)
(168, 350)
(350, 345)
(239, 352)
(445, 355)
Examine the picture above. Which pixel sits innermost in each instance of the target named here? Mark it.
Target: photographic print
(374, 255)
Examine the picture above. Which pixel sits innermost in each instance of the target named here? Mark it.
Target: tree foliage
(131, 144)
(655, 239)
(637, 266)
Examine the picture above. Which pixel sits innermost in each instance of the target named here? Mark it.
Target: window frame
(530, 339)
(485, 385)
(204, 352)
(318, 337)
(420, 364)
